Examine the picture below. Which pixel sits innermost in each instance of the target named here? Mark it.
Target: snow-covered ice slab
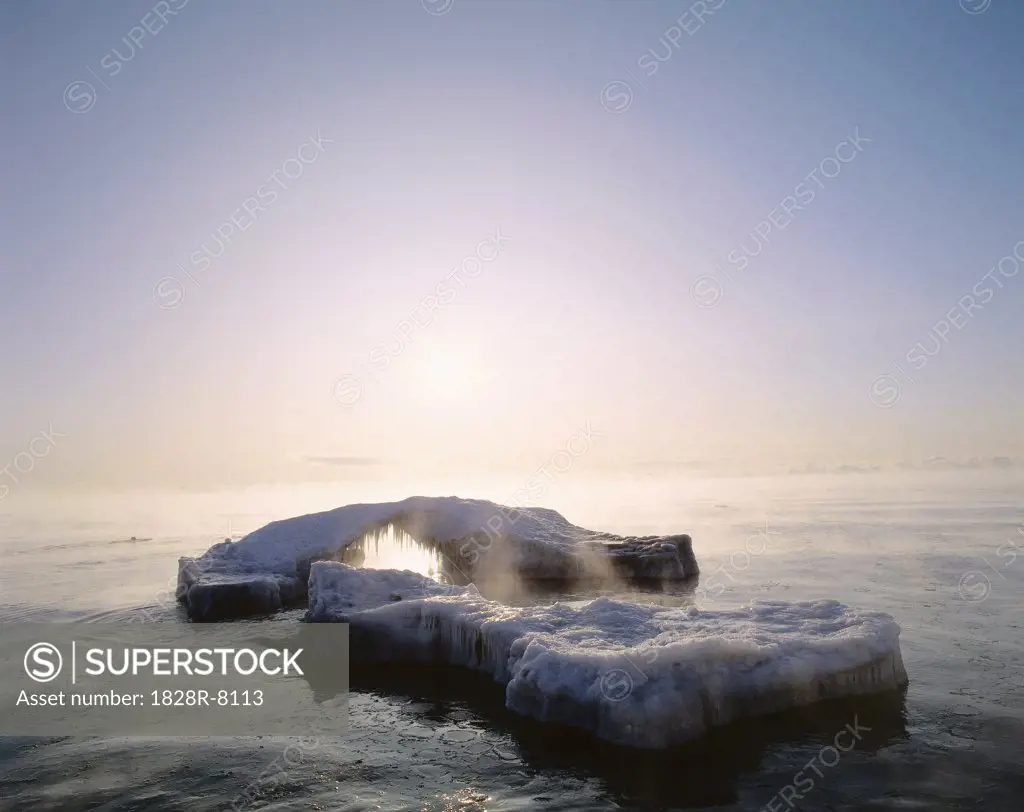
(638, 675)
(269, 569)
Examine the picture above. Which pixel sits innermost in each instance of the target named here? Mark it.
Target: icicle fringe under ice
(638, 675)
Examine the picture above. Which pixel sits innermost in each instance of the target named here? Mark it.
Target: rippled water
(943, 553)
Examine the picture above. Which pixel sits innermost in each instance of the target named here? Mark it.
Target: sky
(250, 242)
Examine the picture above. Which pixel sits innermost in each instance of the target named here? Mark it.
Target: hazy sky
(738, 233)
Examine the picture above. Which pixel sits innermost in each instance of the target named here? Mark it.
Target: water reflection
(392, 548)
(703, 773)
(712, 770)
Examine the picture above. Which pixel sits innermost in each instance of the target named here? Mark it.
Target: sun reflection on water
(393, 549)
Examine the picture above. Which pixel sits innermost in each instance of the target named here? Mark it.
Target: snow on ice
(269, 569)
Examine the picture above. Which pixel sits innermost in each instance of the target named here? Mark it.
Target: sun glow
(447, 373)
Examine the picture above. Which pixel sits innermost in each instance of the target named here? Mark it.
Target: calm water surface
(942, 552)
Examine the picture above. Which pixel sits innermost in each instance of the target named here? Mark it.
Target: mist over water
(938, 551)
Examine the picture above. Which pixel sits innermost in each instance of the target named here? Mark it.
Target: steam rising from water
(391, 547)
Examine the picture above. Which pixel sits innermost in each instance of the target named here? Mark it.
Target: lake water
(942, 552)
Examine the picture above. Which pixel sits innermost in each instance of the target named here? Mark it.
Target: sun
(446, 372)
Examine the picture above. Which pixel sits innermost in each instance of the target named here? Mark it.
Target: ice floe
(269, 569)
(639, 675)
